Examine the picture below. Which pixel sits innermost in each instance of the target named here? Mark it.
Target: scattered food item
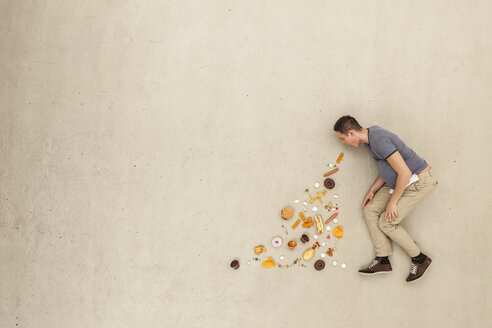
(287, 213)
(316, 185)
(323, 255)
(277, 241)
(303, 217)
(319, 265)
(331, 172)
(282, 257)
(296, 201)
(285, 229)
(331, 165)
(249, 262)
(315, 237)
(292, 244)
(329, 252)
(343, 266)
(328, 228)
(235, 264)
(319, 223)
(331, 218)
(335, 220)
(315, 209)
(328, 237)
(305, 209)
(323, 243)
(304, 203)
(308, 254)
(260, 249)
(334, 263)
(296, 224)
(339, 158)
(335, 196)
(338, 232)
(329, 183)
(269, 263)
(304, 238)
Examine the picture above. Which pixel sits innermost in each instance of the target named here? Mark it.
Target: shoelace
(373, 264)
(413, 269)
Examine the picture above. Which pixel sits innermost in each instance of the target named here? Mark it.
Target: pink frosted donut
(276, 241)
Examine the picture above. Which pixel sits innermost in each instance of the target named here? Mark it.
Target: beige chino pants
(381, 231)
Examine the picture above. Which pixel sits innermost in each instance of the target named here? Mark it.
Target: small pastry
(235, 264)
(287, 213)
(329, 183)
(304, 239)
(292, 245)
(319, 265)
(277, 241)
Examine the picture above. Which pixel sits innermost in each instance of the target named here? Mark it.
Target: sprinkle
(304, 203)
(306, 191)
(282, 257)
(335, 196)
(249, 262)
(310, 202)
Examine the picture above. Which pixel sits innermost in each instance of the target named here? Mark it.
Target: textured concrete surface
(146, 144)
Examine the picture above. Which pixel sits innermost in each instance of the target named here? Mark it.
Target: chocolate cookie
(319, 265)
(329, 183)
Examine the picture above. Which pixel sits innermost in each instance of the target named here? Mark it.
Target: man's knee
(370, 213)
(385, 226)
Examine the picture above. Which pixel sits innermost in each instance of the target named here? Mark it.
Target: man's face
(349, 139)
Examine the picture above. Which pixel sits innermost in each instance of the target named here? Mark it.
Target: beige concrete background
(146, 144)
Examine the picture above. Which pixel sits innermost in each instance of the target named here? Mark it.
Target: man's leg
(415, 193)
(372, 213)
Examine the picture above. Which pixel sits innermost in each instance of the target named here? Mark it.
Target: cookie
(287, 213)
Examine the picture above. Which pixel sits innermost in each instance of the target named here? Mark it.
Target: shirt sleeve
(385, 147)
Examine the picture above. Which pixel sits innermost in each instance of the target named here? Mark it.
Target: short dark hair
(346, 123)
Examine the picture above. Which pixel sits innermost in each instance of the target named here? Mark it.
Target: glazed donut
(329, 183)
(319, 265)
(277, 241)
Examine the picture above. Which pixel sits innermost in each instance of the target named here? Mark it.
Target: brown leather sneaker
(376, 267)
(418, 269)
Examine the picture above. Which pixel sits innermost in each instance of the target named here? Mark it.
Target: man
(404, 180)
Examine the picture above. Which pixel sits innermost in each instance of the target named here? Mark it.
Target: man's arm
(377, 184)
(398, 164)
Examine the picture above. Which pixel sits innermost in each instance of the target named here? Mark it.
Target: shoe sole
(409, 282)
(371, 274)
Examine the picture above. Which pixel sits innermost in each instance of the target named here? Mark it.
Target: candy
(269, 263)
(343, 266)
(316, 185)
(334, 263)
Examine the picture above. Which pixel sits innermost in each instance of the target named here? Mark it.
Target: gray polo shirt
(382, 144)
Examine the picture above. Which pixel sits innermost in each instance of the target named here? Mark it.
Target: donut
(287, 213)
(319, 265)
(329, 183)
(276, 241)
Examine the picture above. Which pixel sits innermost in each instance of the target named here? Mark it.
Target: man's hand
(368, 198)
(391, 212)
